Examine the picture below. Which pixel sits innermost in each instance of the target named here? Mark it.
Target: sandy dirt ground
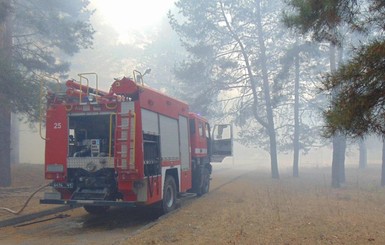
(26, 178)
(254, 209)
(248, 207)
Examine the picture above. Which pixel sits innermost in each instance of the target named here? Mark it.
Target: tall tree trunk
(5, 112)
(266, 91)
(15, 127)
(268, 124)
(339, 141)
(336, 183)
(341, 138)
(5, 126)
(363, 162)
(296, 145)
(383, 163)
(335, 163)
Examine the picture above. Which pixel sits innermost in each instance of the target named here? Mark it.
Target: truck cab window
(200, 129)
(207, 130)
(192, 126)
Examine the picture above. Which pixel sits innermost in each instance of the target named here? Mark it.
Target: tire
(96, 209)
(169, 195)
(205, 187)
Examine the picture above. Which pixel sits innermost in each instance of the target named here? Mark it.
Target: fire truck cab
(130, 146)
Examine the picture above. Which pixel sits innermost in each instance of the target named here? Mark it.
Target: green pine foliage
(357, 87)
(43, 36)
(358, 105)
(321, 18)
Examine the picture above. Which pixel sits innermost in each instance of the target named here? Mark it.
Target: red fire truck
(130, 146)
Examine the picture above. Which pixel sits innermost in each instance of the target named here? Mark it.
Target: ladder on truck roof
(83, 90)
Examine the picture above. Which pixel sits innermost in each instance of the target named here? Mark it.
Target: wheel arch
(174, 173)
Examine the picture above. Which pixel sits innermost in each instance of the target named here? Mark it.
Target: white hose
(26, 202)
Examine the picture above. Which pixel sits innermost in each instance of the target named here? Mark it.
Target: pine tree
(37, 34)
(356, 88)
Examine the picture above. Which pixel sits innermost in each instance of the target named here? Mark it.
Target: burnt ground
(246, 206)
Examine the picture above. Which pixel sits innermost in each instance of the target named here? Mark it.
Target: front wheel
(169, 195)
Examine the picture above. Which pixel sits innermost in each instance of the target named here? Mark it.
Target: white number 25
(57, 125)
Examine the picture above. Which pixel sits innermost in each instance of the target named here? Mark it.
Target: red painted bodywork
(199, 147)
(143, 97)
(155, 101)
(56, 140)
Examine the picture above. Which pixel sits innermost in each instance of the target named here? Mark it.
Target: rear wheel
(169, 195)
(96, 209)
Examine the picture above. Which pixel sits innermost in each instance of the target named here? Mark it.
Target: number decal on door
(57, 125)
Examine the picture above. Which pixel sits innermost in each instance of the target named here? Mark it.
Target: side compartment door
(222, 142)
(56, 144)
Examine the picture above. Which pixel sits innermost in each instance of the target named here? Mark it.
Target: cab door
(221, 142)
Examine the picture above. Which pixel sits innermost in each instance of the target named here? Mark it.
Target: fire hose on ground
(26, 202)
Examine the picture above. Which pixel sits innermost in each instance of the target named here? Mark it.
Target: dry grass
(26, 178)
(255, 209)
(258, 210)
